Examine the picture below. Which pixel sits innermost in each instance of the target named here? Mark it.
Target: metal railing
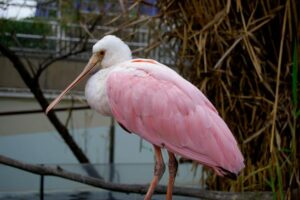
(60, 39)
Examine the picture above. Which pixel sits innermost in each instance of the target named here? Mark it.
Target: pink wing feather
(156, 103)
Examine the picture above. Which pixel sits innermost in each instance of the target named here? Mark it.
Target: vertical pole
(112, 141)
(42, 187)
(111, 150)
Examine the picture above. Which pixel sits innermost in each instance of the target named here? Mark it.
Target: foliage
(9, 29)
(241, 55)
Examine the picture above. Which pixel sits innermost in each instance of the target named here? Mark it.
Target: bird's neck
(95, 92)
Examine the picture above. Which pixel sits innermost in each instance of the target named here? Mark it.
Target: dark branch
(23, 54)
(32, 82)
(35, 111)
(39, 96)
(52, 60)
(132, 188)
(83, 42)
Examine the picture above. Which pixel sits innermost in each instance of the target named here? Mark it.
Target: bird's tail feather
(228, 174)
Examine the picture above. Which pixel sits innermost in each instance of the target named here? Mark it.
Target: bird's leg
(159, 170)
(173, 166)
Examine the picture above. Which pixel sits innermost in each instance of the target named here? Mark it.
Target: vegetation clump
(243, 56)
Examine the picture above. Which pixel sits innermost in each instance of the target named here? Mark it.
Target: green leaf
(298, 113)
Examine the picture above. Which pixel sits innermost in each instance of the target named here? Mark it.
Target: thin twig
(274, 112)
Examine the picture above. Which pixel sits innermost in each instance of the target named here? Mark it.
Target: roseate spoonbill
(153, 101)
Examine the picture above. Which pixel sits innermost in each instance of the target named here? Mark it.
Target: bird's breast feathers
(95, 92)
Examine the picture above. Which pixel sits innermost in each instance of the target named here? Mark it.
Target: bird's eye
(101, 53)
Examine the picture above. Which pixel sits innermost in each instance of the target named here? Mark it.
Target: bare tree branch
(133, 188)
(45, 65)
(32, 82)
(83, 42)
(34, 87)
(23, 54)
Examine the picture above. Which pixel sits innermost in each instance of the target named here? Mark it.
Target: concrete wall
(57, 76)
(36, 123)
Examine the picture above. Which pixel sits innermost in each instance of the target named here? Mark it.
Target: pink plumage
(156, 103)
(153, 101)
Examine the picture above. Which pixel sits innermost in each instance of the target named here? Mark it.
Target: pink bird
(153, 101)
